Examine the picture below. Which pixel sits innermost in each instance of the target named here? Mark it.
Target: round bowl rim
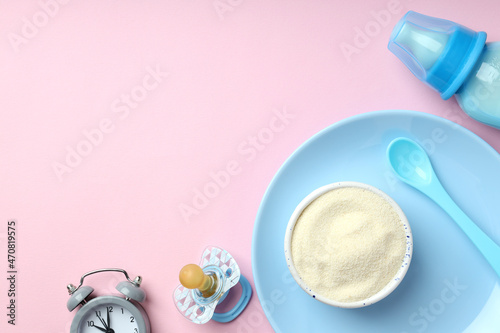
(393, 283)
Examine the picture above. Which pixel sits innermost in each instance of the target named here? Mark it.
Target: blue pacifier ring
(246, 294)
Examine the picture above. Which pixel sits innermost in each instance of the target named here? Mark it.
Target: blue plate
(449, 286)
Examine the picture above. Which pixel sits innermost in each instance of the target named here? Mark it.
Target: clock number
(90, 323)
(136, 330)
(122, 310)
(110, 308)
(98, 313)
(132, 319)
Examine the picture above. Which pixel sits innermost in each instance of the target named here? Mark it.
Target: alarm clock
(108, 313)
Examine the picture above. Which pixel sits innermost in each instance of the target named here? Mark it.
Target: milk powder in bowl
(348, 244)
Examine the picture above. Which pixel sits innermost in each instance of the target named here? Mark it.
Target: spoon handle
(489, 249)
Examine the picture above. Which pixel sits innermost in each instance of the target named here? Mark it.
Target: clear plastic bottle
(452, 59)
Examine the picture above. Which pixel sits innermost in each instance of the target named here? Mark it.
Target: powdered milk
(348, 244)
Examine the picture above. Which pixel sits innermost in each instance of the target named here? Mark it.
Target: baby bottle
(452, 59)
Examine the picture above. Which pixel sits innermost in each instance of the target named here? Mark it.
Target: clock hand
(102, 321)
(100, 328)
(109, 324)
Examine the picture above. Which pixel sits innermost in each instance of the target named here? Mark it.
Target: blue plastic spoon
(411, 164)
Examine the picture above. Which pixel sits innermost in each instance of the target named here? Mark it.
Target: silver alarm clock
(108, 313)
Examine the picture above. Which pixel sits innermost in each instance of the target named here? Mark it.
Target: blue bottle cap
(439, 52)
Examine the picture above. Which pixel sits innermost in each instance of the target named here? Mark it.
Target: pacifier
(206, 285)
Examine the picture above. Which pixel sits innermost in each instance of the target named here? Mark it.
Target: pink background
(232, 66)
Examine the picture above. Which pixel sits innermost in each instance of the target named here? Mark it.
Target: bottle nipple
(192, 276)
(425, 45)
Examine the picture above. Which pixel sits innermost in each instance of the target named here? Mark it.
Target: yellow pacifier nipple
(192, 276)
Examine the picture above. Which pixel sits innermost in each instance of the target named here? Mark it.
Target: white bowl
(394, 282)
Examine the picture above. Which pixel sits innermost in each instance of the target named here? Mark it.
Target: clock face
(110, 314)
(108, 318)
